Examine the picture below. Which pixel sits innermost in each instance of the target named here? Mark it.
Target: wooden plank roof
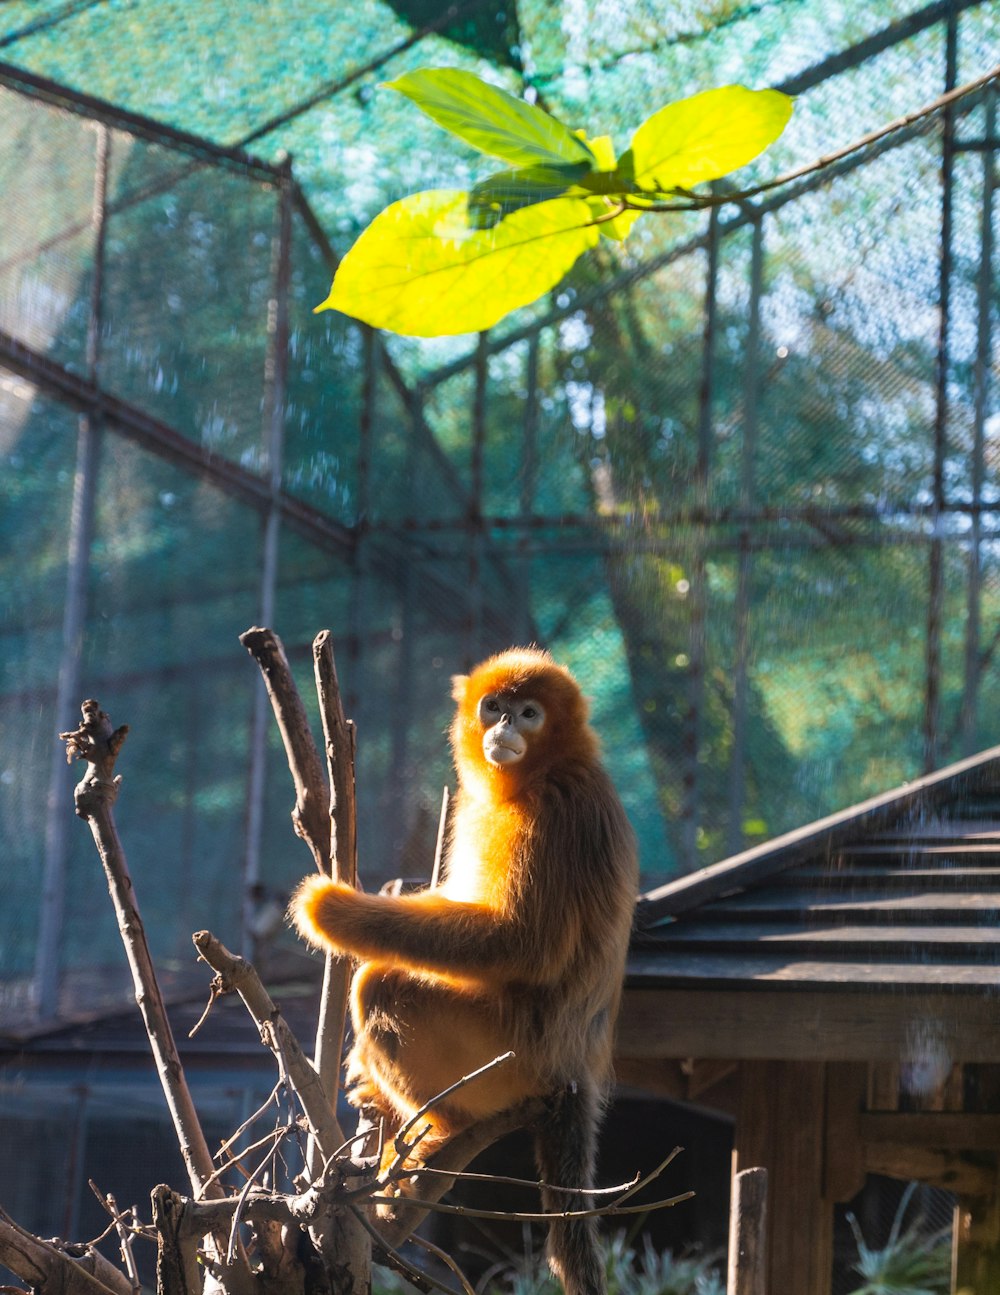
(901, 892)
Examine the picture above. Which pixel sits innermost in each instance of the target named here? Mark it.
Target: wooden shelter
(838, 991)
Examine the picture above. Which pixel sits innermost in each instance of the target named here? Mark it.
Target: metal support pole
(980, 393)
(362, 520)
(58, 810)
(529, 484)
(935, 596)
(751, 390)
(692, 731)
(476, 504)
(273, 438)
(392, 818)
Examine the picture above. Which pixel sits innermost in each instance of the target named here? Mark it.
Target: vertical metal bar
(751, 389)
(692, 730)
(77, 1158)
(475, 627)
(359, 585)
(980, 394)
(403, 716)
(273, 437)
(935, 597)
(58, 810)
(529, 484)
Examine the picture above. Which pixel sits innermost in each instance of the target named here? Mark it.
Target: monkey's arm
(428, 932)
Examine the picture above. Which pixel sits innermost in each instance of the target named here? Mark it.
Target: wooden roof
(899, 893)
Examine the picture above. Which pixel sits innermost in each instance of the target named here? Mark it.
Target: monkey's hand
(318, 909)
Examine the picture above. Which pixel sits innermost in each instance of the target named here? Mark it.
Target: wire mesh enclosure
(739, 473)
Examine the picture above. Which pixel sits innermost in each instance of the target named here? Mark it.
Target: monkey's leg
(415, 1038)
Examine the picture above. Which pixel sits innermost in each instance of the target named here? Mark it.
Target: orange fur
(523, 946)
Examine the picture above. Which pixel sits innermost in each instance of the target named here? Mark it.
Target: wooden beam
(947, 1130)
(661, 1078)
(948, 1170)
(808, 1025)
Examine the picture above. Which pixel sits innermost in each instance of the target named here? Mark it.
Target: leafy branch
(450, 261)
(446, 261)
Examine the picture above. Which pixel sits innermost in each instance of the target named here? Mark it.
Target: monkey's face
(509, 725)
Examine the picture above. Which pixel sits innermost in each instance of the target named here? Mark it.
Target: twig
(530, 1216)
(242, 1200)
(650, 1177)
(309, 816)
(214, 994)
(441, 837)
(443, 1257)
(96, 1241)
(125, 1239)
(698, 202)
(274, 1138)
(403, 1149)
(272, 1096)
(393, 1259)
(535, 1183)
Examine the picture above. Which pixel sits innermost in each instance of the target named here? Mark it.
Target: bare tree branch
(49, 1270)
(95, 795)
(96, 742)
(338, 735)
(538, 1216)
(690, 201)
(309, 815)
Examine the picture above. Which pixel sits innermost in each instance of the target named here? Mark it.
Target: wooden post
(975, 1255)
(747, 1273)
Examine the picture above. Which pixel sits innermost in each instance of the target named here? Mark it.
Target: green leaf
(704, 137)
(507, 191)
(420, 268)
(490, 119)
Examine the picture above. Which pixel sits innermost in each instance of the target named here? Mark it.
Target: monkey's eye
(532, 716)
(489, 709)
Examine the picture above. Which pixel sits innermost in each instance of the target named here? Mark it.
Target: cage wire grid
(741, 478)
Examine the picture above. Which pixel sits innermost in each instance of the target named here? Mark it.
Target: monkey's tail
(566, 1152)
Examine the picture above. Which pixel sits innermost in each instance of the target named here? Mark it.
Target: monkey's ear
(458, 682)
